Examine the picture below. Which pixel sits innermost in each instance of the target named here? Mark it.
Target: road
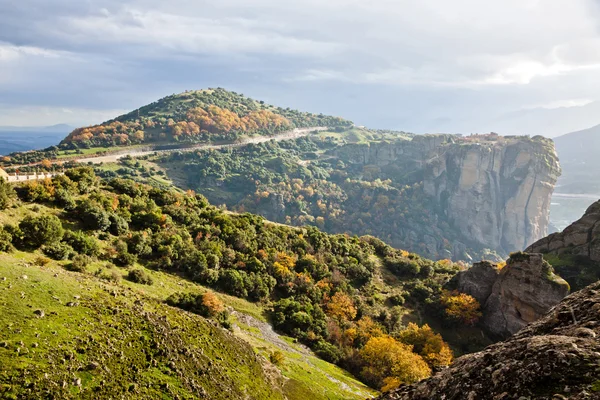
(296, 133)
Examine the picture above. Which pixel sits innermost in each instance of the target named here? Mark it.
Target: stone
(39, 313)
(514, 296)
(539, 362)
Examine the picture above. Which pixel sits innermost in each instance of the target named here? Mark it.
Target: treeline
(196, 116)
(298, 183)
(321, 289)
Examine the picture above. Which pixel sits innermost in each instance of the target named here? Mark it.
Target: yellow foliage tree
(427, 344)
(341, 307)
(461, 307)
(387, 363)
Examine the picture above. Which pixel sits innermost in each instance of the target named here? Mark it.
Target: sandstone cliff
(488, 191)
(575, 252)
(557, 357)
(517, 294)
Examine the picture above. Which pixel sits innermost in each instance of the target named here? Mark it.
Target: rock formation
(496, 193)
(515, 295)
(557, 357)
(575, 252)
(493, 192)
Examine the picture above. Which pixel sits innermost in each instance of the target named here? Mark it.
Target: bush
(58, 251)
(328, 352)
(277, 357)
(41, 230)
(79, 263)
(41, 261)
(82, 243)
(140, 276)
(5, 240)
(7, 194)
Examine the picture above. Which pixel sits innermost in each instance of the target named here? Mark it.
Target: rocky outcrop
(488, 191)
(580, 238)
(517, 294)
(557, 357)
(576, 250)
(496, 193)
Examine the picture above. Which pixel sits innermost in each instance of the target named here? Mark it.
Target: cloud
(404, 64)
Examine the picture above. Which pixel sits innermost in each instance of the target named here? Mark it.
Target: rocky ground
(557, 357)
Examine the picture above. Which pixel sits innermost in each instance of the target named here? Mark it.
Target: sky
(462, 66)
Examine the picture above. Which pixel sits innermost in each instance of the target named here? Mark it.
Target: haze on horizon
(517, 66)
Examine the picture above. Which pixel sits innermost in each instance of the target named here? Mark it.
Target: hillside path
(296, 133)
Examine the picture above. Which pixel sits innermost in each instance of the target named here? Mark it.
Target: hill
(211, 115)
(137, 255)
(441, 196)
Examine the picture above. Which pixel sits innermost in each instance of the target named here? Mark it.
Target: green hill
(197, 116)
(103, 271)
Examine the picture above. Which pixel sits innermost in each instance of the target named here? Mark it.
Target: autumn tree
(427, 344)
(212, 304)
(387, 363)
(341, 307)
(460, 307)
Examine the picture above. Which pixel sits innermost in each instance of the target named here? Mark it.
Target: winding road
(296, 133)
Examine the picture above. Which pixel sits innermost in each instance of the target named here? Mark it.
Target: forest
(327, 291)
(212, 115)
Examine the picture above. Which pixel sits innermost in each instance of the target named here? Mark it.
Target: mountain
(578, 153)
(441, 196)
(556, 357)
(16, 139)
(210, 115)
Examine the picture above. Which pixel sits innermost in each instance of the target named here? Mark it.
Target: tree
(427, 344)
(7, 194)
(387, 362)
(461, 307)
(41, 230)
(211, 304)
(341, 307)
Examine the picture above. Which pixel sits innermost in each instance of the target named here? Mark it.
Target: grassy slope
(141, 347)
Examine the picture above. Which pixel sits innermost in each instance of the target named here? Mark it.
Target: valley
(331, 261)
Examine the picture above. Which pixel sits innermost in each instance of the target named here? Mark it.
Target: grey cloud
(427, 65)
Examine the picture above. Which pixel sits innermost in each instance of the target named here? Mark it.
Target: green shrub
(41, 230)
(79, 263)
(140, 276)
(58, 251)
(5, 241)
(82, 243)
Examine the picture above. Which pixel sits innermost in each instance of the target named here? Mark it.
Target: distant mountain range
(579, 184)
(24, 138)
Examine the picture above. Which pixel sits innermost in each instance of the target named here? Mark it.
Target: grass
(121, 340)
(140, 347)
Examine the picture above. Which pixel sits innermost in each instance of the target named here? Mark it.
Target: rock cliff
(575, 252)
(492, 192)
(496, 193)
(515, 295)
(557, 357)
